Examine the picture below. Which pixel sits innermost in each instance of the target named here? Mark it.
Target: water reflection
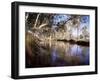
(60, 54)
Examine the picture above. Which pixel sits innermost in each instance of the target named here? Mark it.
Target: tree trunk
(36, 20)
(42, 25)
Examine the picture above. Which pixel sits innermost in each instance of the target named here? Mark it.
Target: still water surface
(56, 53)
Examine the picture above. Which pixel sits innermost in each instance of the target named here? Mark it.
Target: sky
(62, 18)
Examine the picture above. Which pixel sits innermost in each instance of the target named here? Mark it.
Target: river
(54, 54)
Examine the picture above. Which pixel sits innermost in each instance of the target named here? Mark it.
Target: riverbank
(82, 43)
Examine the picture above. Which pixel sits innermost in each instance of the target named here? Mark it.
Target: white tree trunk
(42, 25)
(36, 20)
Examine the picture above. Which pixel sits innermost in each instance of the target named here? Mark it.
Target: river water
(53, 54)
